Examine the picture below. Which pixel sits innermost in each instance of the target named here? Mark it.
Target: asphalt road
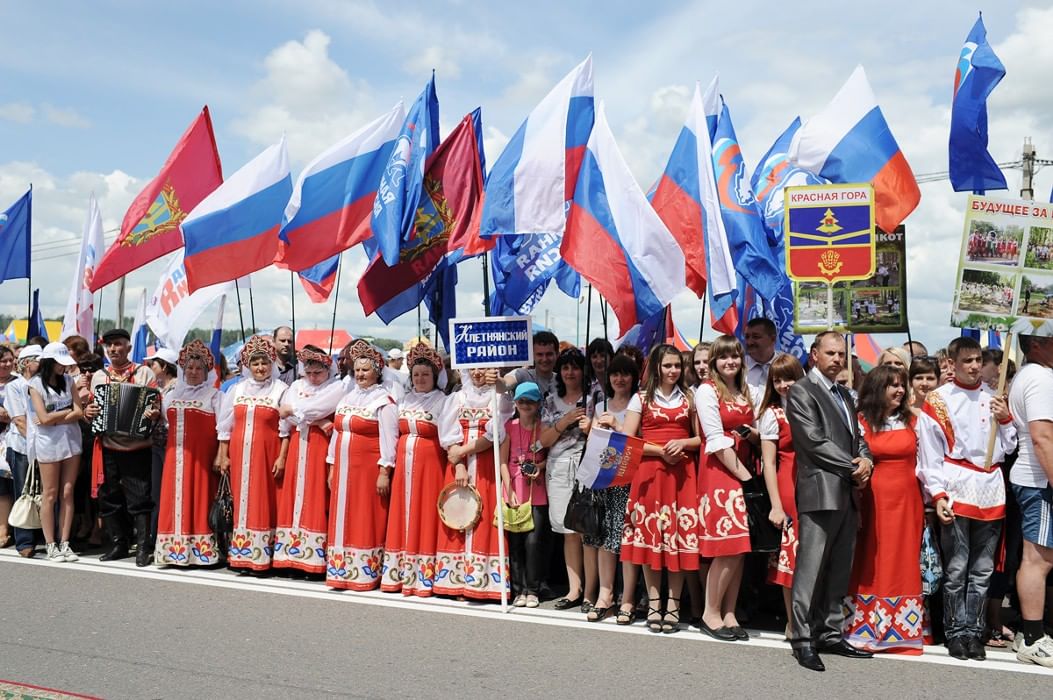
(162, 634)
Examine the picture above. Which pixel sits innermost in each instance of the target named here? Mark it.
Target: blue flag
(977, 74)
(401, 185)
(522, 267)
(36, 325)
(15, 238)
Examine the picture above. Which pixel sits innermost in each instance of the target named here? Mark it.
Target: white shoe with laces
(53, 552)
(1041, 652)
(67, 553)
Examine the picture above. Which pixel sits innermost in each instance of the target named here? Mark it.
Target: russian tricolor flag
(849, 141)
(615, 239)
(234, 231)
(527, 190)
(332, 202)
(610, 459)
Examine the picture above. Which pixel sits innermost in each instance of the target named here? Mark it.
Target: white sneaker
(519, 602)
(67, 553)
(53, 552)
(1041, 652)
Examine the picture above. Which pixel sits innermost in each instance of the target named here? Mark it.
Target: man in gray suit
(832, 460)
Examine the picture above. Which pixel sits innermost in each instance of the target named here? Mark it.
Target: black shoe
(654, 624)
(564, 603)
(144, 553)
(722, 634)
(956, 648)
(843, 648)
(671, 619)
(809, 659)
(119, 550)
(740, 634)
(974, 648)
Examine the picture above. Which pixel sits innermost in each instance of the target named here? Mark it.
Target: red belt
(969, 465)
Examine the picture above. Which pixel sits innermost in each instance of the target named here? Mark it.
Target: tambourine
(460, 507)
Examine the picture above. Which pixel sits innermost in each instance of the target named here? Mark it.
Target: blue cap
(528, 391)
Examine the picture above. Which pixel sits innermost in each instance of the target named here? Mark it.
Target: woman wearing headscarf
(252, 450)
(420, 471)
(303, 496)
(361, 457)
(188, 482)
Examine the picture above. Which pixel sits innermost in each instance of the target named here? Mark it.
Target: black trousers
(126, 489)
(528, 554)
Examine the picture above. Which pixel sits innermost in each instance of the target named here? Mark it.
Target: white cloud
(437, 58)
(64, 117)
(18, 112)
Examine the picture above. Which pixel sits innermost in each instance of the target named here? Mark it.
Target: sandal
(654, 624)
(598, 614)
(997, 640)
(626, 617)
(671, 621)
(587, 606)
(565, 602)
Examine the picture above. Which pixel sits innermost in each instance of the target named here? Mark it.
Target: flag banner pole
(500, 501)
(588, 317)
(419, 329)
(241, 316)
(486, 284)
(29, 299)
(29, 262)
(120, 303)
(702, 319)
(851, 337)
(252, 312)
(829, 306)
(98, 316)
(292, 300)
(603, 315)
(1003, 372)
(336, 299)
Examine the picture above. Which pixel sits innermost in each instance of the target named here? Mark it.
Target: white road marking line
(224, 578)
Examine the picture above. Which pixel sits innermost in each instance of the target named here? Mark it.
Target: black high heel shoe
(654, 624)
(671, 620)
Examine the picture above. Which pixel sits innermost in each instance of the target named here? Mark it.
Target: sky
(94, 96)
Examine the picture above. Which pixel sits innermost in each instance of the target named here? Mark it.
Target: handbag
(518, 519)
(931, 565)
(765, 538)
(585, 512)
(25, 512)
(221, 515)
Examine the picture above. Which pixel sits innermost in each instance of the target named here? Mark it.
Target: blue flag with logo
(36, 325)
(15, 238)
(978, 72)
(522, 267)
(400, 187)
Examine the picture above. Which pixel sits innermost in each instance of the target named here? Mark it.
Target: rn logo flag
(16, 238)
(80, 307)
(151, 225)
(975, 77)
(234, 231)
(615, 239)
(173, 309)
(611, 459)
(850, 142)
(332, 203)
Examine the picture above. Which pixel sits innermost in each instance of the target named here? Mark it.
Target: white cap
(30, 351)
(57, 352)
(167, 354)
(394, 354)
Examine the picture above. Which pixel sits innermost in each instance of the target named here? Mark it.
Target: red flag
(447, 218)
(151, 225)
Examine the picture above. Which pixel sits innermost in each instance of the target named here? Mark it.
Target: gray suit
(825, 441)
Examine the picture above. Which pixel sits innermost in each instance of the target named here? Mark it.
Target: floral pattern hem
(251, 549)
(477, 577)
(300, 549)
(354, 569)
(186, 550)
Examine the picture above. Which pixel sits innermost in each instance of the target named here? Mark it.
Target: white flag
(80, 309)
(172, 309)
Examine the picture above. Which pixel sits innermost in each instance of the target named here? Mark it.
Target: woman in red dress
(885, 590)
(780, 471)
(468, 563)
(726, 416)
(420, 471)
(251, 449)
(661, 519)
(303, 496)
(361, 457)
(188, 482)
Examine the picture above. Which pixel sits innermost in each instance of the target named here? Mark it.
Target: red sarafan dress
(303, 494)
(885, 601)
(249, 420)
(365, 434)
(188, 482)
(468, 563)
(724, 528)
(782, 563)
(420, 472)
(661, 518)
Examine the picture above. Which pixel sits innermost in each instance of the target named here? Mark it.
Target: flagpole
(241, 317)
(120, 303)
(29, 265)
(292, 300)
(702, 319)
(418, 322)
(98, 317)
(603, 315)
(252, 311)
(588, 317)
(336, 299)
(486, 285)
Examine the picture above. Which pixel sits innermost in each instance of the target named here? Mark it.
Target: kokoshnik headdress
(196, 350)
(308, 355)
(422, 352)
(361, 349)
(258, 345)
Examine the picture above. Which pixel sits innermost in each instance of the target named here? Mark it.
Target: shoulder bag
(25, 512)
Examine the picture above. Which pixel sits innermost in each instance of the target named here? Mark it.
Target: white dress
(55, 443)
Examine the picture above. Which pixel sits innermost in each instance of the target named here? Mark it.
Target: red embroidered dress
(724, 530)
(773, 426)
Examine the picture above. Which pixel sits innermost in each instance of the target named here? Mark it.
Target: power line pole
(1027, 190)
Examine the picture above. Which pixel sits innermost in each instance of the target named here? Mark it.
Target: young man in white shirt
(1031, 403)
(760, 352)
(546, 349)
(968, 494)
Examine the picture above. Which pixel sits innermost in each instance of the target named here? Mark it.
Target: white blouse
(707, 403)
(250, 388)
(377, 400)
(440, 406)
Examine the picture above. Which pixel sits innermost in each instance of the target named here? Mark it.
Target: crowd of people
(892, 525)
(992, 245)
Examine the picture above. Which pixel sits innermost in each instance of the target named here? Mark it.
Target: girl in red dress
(885, 590)
(661, 520)
(303, 495)
(468, 563)
(251, 449)
(726, 416)
(780, 471)
(420, 471)
(361, 457)
(188, 482)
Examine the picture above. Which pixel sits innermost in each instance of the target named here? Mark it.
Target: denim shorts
(1036, 513)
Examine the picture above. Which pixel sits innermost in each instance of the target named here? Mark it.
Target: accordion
(122, 410)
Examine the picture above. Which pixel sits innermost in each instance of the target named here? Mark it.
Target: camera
(528, 468)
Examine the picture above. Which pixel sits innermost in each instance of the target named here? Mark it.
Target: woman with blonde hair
(726, 416)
